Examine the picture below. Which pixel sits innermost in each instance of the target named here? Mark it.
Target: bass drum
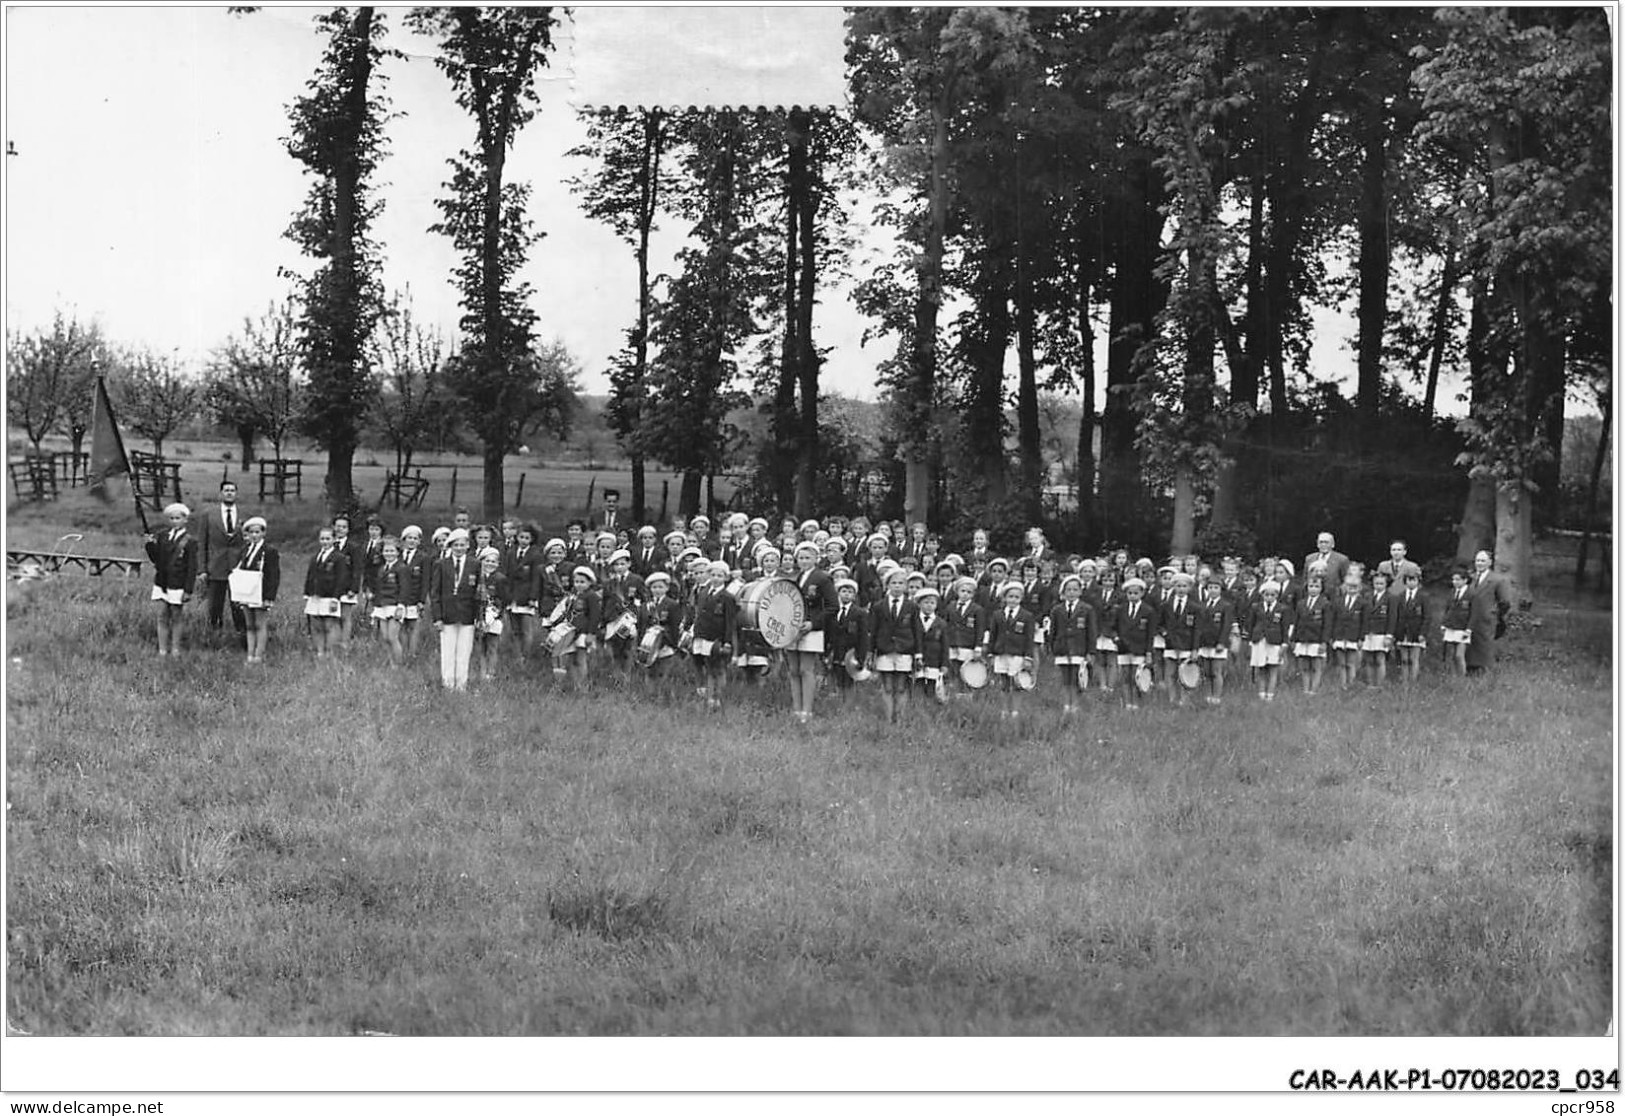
(774, 610)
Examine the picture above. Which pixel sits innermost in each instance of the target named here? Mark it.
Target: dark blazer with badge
(1072, 634)
(389, 583)
(647, 562)
(329, 577)
(1012, 637)
(964, 623)
(414, 588)
(174, 561)
(715, 614)
(1410, 617)
(451, 599)
(269, 563)
(1134, 632)
(892, 633)
(850, 634)
(1214, 619)
(1313, 621)
(1348, 620)
(932, 642)
(1272, 625)
(817, 595)
(1179, 627)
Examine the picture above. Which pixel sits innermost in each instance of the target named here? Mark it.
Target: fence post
(519, 496)
(665, 488)
(453, 501)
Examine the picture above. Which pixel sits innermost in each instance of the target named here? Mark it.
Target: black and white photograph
(801, 523)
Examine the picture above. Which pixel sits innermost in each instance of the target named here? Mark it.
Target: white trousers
(456, 649)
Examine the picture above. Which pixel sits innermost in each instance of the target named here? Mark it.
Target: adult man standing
(1396, 565)
(1333, 565)
(1489, 599)
(222, 547)
(612, 511)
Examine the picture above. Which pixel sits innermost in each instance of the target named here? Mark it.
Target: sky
(150, 188)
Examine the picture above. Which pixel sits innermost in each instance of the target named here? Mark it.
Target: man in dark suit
(610, 520)
(1489, 599)
(222, 546)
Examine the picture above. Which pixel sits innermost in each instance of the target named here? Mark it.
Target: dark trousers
(219, 597)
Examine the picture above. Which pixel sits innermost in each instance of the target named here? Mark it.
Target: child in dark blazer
(847, 634)
(1010, 640)
(1377, 638)
(174, 555)
(1270, 627)
(716, 623)
(327, 578)
(414, 592)
(261, 557)
(965, 623)
(1215, 628)
(388, 596)
(1410, 625)
(931, 637)
(892, 643)
(1347, 609)
(1072, 639)
(1312, 629)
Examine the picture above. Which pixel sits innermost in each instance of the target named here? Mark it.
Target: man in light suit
(1326, 555)
(222, 547)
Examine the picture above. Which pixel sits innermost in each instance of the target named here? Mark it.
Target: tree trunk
(1086, 417)
(1183, 540)
(918, 476)
(1373, 268)
(340, 492)
(653, 141)
(1448, 278)
(493, 496)
(807, 361)
(1027, 433)
(785, 424)
(688, 500)
(1476, 531)
(1138, 296)
(245, 435)
(1605, 401)
(1514, 535)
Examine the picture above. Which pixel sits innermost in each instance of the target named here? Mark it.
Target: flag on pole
(107, 457)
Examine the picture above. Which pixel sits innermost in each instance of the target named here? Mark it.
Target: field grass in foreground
(194, 849)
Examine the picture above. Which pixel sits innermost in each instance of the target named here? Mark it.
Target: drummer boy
(1134, 630)
(1011, 631)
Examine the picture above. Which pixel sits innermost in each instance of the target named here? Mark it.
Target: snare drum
(1190, 674)
(773, 608)
(561, 640)
(973, 673)
(650, 646)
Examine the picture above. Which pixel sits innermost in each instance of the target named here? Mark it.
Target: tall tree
(337, 133)
(256, 382)
(491, 56)
(46, 370)
(625, 189)
(905, 78)
(156, 397)
(707, 316)
(1525, 95)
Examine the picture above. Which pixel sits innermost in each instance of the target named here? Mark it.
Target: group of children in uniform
(923, 627)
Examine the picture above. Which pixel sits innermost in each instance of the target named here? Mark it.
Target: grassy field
(194, 849)
(555, 488)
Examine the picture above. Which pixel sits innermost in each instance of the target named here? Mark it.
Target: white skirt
(1345, 645)
(1457, 635)
(1379, 642)
(1008, 664)
(811, 642)
(1158, 643)
(387, 612)
(1413, 643)
(348, 598)
(1106, 643)
(894, 664)
(930, 674)
(1266, 654)
(1174, 655)
(703, 647)
(961, 654)
(321, 606)
(1309, 650)
(1126, 659)
(1071, 660)
(521, 610)
(1213, 653)
(752, 661)
(169, 596)
(411, 612)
